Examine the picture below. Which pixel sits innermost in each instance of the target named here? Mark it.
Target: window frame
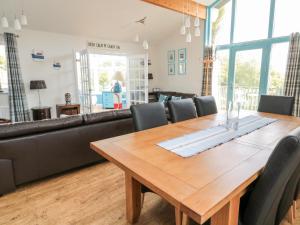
(4, 89)
(233, 47)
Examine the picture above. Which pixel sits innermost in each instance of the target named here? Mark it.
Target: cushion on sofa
(33, 127)
(106, 116)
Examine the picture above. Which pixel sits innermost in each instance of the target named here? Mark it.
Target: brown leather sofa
(34, 150)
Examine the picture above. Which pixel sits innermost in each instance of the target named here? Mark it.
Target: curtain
(16, 91)
(292, 78)
(207, 71)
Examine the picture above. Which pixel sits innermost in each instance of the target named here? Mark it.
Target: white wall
(56, 47)
(189, 83)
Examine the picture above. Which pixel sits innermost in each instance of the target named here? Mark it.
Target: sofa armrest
(7, 183)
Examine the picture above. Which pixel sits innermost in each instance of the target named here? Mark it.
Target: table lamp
(118, 77)
(38, 85)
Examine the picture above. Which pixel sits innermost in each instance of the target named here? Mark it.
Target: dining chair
(276, 104)
(286, 206)
(146, 116)
(183, 109)
(260, 205)
(205, 105)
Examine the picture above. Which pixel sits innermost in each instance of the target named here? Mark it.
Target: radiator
(4, 112)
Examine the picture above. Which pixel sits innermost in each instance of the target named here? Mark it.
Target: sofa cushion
(27, 128)
(106, 116)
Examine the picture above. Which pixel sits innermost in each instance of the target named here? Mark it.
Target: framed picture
(171, 69)
(182, 68)
(182, 55)
(171, 56)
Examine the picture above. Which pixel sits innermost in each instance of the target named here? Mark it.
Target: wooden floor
(93, 195)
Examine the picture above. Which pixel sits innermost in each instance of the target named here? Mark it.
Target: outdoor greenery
(103, 80)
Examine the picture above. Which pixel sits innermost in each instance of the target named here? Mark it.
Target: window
(286, 17)
(278, 61)
(3, 71)
(252, 20)
(221, 23)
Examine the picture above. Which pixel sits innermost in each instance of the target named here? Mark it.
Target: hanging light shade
(197, 32)
(197, 22)
(145, 45)
(136, 38)
(188, 37)
(188, 22)
(17, 24)
(4, 22)
(182, 30)
(24, 21)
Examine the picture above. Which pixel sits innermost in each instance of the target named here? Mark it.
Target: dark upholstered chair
(290, 192)
(146, 116)
(181, 110)
(205, 105)
(276, 104)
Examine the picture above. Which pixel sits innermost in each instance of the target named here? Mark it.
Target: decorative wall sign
(181, 68)
(182, 55)
(171, 69)
(171, 56)
(103, 45)
(37, 55)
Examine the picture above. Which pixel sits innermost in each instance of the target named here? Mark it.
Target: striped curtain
(16, 91)
(207, 71)
(292, 78)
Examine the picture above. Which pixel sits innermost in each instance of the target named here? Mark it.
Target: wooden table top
(202, 184)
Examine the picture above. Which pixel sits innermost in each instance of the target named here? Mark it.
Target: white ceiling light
(197, 32)
(183, 30)
(17, 24)
(24, 19)
(188, 38)
(136, 38)
(188, 22)
(4, 22)
(197, 22)
(145, 45)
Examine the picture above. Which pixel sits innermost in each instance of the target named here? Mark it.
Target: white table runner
(196, 142)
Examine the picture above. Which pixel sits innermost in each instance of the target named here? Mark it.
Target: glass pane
(252, 20)
(3, 71)
(278, 64)
(247, 78)
(286, 20)
(220, 78)
(221, 22)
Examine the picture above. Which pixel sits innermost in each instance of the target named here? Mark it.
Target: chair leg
(290, 215)
(185, 219)
(142, 199)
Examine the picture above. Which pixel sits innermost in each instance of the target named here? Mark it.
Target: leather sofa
(34, 150)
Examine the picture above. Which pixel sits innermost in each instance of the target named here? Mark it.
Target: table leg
(178, 216)
(133, 199)
(229, 214)
(185, 219)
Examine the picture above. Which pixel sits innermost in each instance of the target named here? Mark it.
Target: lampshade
(37, 84)
(118, 76)
(17, 24)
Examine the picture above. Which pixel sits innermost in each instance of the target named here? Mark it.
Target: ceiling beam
(188, 6)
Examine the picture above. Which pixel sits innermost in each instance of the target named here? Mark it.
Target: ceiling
(106, 19)
(205, 2)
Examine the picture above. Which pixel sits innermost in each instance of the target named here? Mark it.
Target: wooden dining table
(205, 186)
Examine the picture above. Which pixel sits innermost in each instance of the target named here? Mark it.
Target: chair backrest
(276, 104)
(290, 190)
(263, 202)
(205, 105)
(146, 116)
(183, 109)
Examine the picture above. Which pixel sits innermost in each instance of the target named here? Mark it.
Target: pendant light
(17, 24)
(197, 20)
(4, 22)
(24, 19)
(188, 22)
(145, 45)
(197, 32)
(188, 38)
(183, 30)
